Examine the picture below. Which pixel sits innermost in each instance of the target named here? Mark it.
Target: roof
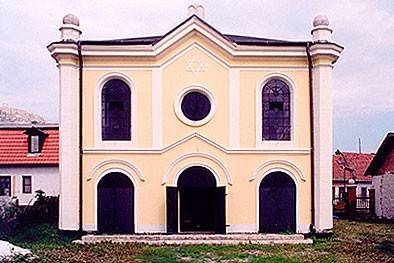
(236, 39)
(385, 148)
(14, 147)
(357, 161)
(9, 115)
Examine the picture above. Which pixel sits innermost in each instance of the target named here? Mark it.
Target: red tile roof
(14, 147)
(357, 161)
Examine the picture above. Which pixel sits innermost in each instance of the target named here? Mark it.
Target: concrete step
(194, 239)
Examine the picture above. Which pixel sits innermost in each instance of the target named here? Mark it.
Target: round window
(195, 106)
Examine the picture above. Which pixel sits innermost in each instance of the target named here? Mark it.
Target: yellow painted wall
(150, 192)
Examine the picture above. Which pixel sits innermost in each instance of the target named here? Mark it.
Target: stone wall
(384, 195)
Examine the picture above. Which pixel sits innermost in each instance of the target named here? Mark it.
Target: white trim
(201, 48)
(208, 156)
(241, 228)
(203, 138)
(98, 142)
(194, 88)
(259, 122)
(234, 108)
(157, 108)
(133, 168)
(31, 184)
(130, 176)
(243, 67)
(260, 169)
(258, 182)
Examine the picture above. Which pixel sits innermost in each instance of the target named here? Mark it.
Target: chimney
(70, 29)
(321, 32)
(196, 9)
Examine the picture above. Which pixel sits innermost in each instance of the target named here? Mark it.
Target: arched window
(276, 111)
(116, 113)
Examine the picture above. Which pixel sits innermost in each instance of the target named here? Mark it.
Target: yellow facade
(242, 193)
(163, 144)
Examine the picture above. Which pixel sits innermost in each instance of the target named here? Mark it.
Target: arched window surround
(98, 141)
(274, 144)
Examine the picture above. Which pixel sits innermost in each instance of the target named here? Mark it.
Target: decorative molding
(259, 107)
(260, 175)
(207, 156)
(261, 168)
(116, 162)
(104, 173)
(204, 139)
(98, 142)
(178, 101)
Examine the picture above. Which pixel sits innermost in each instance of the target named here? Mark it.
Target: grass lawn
(352, 242)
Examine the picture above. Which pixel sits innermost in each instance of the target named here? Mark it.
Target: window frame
(99, 143)
(178, 102)
(274, 144)
(24, 191)
(9, 177)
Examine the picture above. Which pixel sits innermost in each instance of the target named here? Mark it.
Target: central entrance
(196, 200)
(201, 203)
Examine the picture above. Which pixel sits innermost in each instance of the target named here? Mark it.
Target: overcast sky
(363, 77)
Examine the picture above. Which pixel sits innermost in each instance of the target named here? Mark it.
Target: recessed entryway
(198, 201)
(277, 204)
(115, 199)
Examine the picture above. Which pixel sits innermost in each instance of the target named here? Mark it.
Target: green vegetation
(352, 242)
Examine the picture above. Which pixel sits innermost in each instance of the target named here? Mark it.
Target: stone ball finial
(71, 19)
(321, 20)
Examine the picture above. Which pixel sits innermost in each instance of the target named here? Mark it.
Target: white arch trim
(261, 176)
(201, 155)
(134, 169)
(264, 166)
(98, 111)
(259, 121)
(106, 172)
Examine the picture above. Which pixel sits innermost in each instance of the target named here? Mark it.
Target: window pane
(26, 184)
(34, 144)
(116, 111)
(195, 106)
(5, 186)
(276, 111)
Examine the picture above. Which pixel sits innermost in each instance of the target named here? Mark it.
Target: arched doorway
(115, 199)
(201, 203)
(277, 204)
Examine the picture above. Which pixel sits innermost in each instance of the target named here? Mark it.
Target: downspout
(80, 132)
(312, 142)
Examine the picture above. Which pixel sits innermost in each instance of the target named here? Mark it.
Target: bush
(44, 210)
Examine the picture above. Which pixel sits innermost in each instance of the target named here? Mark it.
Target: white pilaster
(322, 113)
(157, 124)
(234, 108)
(324, 54)
(69, 147)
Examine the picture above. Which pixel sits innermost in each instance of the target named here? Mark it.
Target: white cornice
(331, 50)
(183, 140)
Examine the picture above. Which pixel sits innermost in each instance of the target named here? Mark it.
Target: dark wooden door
(220, 210)
(115, 213)
(277, 204)
(172, 209)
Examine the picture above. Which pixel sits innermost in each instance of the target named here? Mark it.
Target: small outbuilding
(382, 170)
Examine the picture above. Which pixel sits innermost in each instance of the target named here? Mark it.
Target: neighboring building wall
(384, 195)
(46, 179)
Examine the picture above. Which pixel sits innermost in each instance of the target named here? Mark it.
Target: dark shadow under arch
(277, 204)
(115, 209)
(201, 203)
